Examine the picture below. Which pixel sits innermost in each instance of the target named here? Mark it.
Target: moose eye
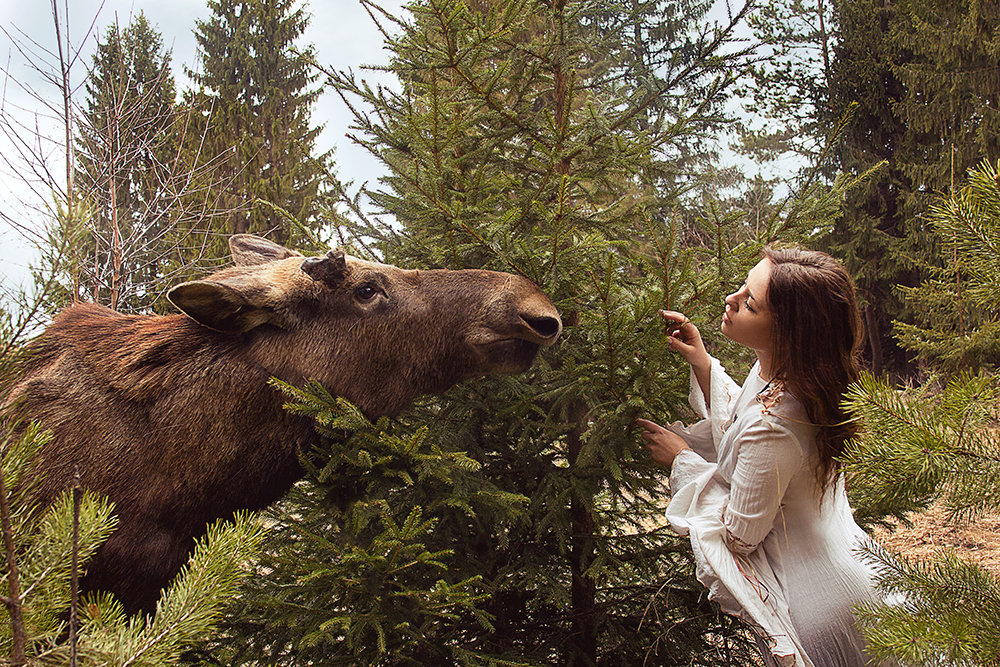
(366, 292)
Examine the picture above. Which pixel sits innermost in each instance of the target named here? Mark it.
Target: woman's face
(747, 319)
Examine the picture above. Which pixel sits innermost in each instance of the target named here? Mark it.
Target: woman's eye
(366, 292)
(749, 307)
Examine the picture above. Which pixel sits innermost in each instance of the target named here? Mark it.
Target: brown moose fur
(171, 417)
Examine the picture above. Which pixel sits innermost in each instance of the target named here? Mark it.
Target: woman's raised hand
(663, 445)
(685, 339)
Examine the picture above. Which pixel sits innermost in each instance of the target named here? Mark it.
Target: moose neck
(196, 385)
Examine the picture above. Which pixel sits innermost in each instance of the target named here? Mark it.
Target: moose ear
(248, 250)
(218, 306)
(331, 269)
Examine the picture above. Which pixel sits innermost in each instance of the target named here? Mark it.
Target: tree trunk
(583, 589)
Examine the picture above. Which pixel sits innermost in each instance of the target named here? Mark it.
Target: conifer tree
(254, 103)
(957, 327)
(125, 168)
(939, 444)
(791, 90)
(553, 148)
(913, 80)
(550, 141)
(917, 448)
(877, 236)
(951, 88)
(915, 72)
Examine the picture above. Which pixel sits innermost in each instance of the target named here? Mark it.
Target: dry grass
(932, 533)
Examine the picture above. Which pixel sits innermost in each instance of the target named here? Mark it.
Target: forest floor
(932, 533)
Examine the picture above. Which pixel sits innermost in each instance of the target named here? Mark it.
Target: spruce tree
(125, 159)
(791, 91)
(878, 235)
(950, 107)
(552, 141)
(255, 139)
(957, 327)
(916, 448)
(914, 73)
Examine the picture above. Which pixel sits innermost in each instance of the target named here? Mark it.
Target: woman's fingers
(674, 320)
(678, 323)
(648, 425)
(683, 337)
(663, 445)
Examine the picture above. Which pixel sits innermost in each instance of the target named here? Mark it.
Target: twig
(75, 569)
(13, 601)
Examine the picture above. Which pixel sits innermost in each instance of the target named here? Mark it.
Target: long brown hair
(818, 336)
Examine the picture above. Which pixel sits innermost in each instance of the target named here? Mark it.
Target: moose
(173, 418)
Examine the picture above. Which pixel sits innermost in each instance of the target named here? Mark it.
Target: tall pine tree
(791, 90)
(552, 140)
(923, 78)
(878, 237)
(255, 96)
(952, 93)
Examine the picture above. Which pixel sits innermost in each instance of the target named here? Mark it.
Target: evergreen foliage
(951, 87)
(189, 608)
(921, 445)
(957, 324)
(524, 139)
(950, 616)
(938, 444)
(792, 81)
(915, 81)
(877, 237)
(39, 545)
(516, 520)
(356, 566)
(125, 169)
(918, 447)
(255, 139)
(918, 73)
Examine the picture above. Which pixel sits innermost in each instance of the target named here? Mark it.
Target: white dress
(767, 546)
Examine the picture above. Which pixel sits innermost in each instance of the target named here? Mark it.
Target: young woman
(755, 482)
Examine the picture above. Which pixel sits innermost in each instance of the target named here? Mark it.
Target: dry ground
(978, 540)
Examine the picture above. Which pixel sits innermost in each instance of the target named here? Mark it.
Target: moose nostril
(546, 327)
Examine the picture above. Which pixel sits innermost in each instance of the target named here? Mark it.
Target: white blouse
(768, 546)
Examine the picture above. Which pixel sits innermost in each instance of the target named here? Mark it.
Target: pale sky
(341, 30)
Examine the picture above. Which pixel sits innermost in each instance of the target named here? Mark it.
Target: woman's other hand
(685, 339)
(663, 445)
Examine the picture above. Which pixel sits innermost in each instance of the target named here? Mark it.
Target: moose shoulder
(173, 419)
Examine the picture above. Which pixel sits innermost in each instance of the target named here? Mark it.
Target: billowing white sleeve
(767, 458)
(726, 524)
(704, 436)
(723, 391)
